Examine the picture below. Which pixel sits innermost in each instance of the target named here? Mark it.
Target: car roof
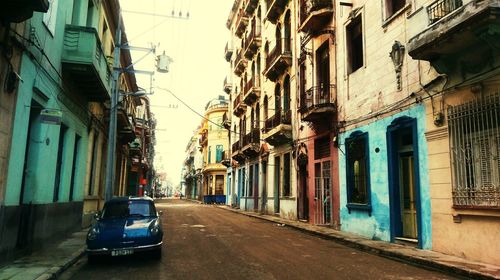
(129, 198)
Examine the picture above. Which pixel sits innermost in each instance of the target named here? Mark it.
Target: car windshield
(129, 208)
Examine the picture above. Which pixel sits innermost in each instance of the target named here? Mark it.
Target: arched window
(288, 33)
(266, 108)
(286, 94)
(257, 76)
(278, 37)
(277, 99)
(257, 116)
(252, 119)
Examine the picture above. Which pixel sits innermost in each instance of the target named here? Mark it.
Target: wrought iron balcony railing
(316, 96)
(278, 119)
(441, 8)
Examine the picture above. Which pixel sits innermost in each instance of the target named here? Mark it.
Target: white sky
(196, 76)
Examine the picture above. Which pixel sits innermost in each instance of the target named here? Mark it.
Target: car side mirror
(160, 213)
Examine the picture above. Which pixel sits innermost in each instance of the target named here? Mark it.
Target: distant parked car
(125, 226)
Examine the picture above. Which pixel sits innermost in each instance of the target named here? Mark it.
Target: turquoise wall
(377, 226)
(41, 84)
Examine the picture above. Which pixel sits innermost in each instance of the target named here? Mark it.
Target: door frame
(393, 171)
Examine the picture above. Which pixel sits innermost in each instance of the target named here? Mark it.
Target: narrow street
(205, 242)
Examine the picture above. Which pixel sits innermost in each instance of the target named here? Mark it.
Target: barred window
(475, 150)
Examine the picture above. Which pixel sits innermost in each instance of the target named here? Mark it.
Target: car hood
(127, 228)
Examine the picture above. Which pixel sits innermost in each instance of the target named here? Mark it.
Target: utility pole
(111, 163)
(162, 67)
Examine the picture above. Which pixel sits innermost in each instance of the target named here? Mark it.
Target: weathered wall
(377, 225)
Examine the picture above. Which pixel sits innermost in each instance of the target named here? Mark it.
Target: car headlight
(93, 233)
(155, 229)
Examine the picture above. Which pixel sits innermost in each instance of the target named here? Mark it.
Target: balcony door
(323, 74)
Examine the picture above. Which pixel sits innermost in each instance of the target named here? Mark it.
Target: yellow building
(214, 146)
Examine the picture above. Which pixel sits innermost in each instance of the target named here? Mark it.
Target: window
(393, 6)
(59, 164)
(250, 181)
(219, 184)
(286, 175)
(354, 38)
(357, 169)
(475, 151)
(321, 148)
(209, 155)
(93, 164)
(76, 150)
(218, 153)
(49, 18)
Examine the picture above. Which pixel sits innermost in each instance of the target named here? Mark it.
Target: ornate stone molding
(437, 134)
(397, 56)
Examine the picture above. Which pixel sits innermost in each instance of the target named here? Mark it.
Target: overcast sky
(196, 76)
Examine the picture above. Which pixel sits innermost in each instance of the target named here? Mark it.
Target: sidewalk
(47, 263)
(423, 258)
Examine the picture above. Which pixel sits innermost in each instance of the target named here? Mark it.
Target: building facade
(383, 167)
(317, 158)
(462, 116)
(263, 97)
(59, 118)
(213, 142)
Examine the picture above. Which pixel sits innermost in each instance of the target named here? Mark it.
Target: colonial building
(213, 142)
(55, 172)
(101, 20)
(317, 158)
(193, 165)
(263, 91)
(383, 154)
(13, 20)
(461, 95)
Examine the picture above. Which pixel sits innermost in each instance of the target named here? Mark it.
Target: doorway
(404, 182)
(277, 183)
(26, 218)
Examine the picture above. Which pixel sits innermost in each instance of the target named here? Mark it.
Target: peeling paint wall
(377, 226)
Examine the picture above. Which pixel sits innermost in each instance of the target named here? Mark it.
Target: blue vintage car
(126, 225)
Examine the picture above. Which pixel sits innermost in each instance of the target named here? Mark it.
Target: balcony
(253, 41)
(250, 6)
(213, 167)
(274, 9)
(278, 129)
(240, 63)
(278, 60)
(241, 23)
(226, 158)
(203, 139)
(239, 107)
(135, 148)
(126, 132)
(251, 143)
(228, 52)
(317, 103)
(21, 10)
(84, 62)
(227, 86)
(315, 14)
(226, 122)
(237, 153)
(252, 91)
(458, 40)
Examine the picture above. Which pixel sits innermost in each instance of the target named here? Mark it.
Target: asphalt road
(205, 242)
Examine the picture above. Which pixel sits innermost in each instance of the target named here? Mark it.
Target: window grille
(475, 150)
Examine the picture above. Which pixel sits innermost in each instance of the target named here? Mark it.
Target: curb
(422, 262)
(58, 269)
